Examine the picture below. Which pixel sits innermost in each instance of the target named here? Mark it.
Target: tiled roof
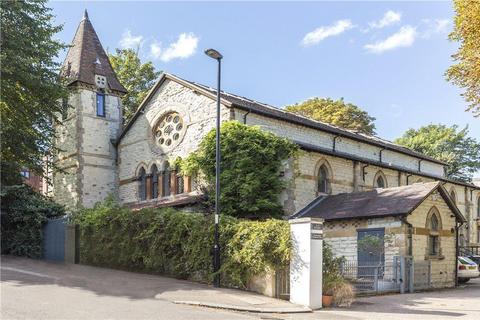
(274, 112)
(271, 111)
(397, 201)
(86, 57)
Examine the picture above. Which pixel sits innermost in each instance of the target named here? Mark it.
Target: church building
(135, 161)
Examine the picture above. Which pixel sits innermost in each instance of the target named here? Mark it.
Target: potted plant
(335, 288)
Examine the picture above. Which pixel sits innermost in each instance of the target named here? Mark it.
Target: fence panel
(374, 277)
(54, 239)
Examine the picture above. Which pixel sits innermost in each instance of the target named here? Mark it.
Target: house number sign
(316, 232)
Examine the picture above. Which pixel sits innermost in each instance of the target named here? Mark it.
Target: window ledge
(434, 257)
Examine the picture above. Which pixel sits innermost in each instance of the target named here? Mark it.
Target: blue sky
(386, 57)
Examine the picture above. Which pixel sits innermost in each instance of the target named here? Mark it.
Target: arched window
(166, 180)
(179, 183)
(142, 186)
(154, 180)
(323, 180)
(478, 212)
(380, 181)
(434, 223)
(453, 195)
(433, 226)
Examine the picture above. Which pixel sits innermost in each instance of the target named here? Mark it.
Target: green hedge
(23, 213)
(179, 244)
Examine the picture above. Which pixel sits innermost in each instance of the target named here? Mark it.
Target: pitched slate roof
(397, 201)
(86, 57)
(232, 100)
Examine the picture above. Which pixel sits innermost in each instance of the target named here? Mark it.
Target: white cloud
(156, 50)
(405, 37)
(184, 47)
(130, 41)
(321, 33)
(436, 26)
(390, 17)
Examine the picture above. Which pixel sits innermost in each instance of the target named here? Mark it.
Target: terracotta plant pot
(327, 300)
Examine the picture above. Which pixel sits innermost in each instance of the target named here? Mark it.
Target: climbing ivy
(251, 166)
(179, 244)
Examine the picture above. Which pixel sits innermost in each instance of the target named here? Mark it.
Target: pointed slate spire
(86, 58)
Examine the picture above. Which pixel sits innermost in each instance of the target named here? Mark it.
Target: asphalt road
(36, 290)
(34, 293)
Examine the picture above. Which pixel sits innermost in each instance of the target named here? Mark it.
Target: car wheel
(463, 280)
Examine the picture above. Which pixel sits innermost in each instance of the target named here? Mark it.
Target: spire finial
(85, 15)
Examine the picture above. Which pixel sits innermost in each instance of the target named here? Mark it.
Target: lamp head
(214, 54)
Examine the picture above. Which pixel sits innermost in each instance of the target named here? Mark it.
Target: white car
(467, 269)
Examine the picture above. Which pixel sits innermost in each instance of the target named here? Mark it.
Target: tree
(466, 73)
(137, 77)
(449, 144)
(250, 170)
(337, 113)
(24, 212)
(31, 90)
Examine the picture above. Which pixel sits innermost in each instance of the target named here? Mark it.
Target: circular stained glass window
(169, 130)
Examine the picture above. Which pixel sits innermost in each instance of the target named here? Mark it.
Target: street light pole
(214, 54)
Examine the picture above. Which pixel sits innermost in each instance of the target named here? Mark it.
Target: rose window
(169, 130)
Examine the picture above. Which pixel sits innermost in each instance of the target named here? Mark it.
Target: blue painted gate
(54, 239)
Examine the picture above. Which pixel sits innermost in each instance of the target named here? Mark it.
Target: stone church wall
(323, 139)
(88, 156)
(443, 267)
(138, 147)
(65, 180)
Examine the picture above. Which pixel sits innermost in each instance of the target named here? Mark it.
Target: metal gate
(282, 283)
(374, 277)
(53, 246)
(371, 257)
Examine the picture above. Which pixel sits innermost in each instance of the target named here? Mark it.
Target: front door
(371, 252)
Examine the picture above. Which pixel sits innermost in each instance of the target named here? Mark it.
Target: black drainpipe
(363, 171)
(380, 154)
(410, 235)
(335, 143)
(419, 165)
(408, 175)
(245, 116)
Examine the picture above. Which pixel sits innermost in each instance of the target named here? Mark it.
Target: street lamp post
(214, 54)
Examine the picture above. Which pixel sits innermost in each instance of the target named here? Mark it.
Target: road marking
(41, 275)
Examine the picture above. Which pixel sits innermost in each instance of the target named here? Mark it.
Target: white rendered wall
(306, 263)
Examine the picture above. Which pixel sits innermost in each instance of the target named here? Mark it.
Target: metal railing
(372, 277)
(469, 250)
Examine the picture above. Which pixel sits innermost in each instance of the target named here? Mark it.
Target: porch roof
(397, 201)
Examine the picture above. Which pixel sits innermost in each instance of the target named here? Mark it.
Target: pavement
(35, 289)
(41, 279)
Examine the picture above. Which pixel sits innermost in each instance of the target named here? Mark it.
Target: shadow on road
(101, 281)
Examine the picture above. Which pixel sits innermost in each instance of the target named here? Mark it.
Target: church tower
(91, 124)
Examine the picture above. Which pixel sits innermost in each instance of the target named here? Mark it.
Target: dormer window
(100, 104)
